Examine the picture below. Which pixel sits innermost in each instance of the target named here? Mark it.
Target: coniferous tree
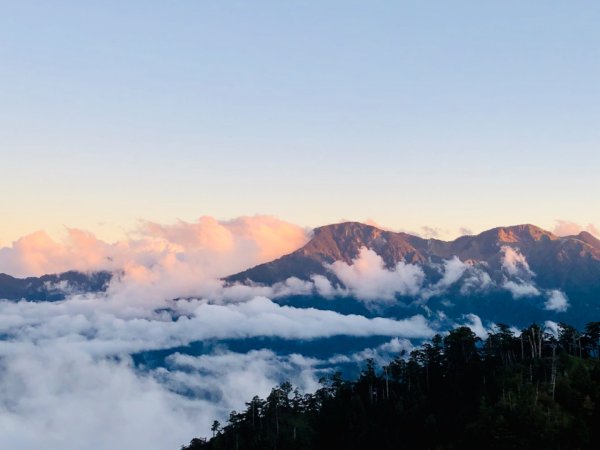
(509, 391)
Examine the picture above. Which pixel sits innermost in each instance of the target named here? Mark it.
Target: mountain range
(502, 273)
(569, 262)
(52, 287)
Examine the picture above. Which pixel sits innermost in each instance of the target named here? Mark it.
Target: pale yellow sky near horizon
(113, 231)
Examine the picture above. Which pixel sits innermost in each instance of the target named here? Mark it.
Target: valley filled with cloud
(134, 357)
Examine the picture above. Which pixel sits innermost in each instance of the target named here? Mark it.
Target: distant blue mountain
(52, 287)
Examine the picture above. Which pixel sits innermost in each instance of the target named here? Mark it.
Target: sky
(463, 114)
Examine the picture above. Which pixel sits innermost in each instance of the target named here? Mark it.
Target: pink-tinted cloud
(566, 228)
(206, 248)
(38, 253)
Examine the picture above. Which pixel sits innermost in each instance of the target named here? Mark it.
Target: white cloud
(476, 325)
(552, 328)
(514, 263)
(381, 354)
(557, 301)
(234, 377)
(521, 289)
(476, 280)
(66, 377)
(520, 276)
(58, 398)
(367, 277)
(65, 371)
(324, 288)
(453, 270)
(55, 398)
(102, 328)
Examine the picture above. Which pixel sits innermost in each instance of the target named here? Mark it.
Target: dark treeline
(532, 391)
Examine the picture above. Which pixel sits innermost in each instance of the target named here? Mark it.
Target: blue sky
(446, 114)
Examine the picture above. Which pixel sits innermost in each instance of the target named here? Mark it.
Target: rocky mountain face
(52, 287)
(571, 262)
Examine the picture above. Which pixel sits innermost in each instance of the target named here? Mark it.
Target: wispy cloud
(567, 228)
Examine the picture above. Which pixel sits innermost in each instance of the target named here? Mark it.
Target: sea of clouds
(67, 376)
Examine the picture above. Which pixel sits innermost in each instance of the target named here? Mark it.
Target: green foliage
(533, 391)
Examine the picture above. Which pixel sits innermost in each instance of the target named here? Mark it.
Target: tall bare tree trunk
(522, 349)
(553, 376)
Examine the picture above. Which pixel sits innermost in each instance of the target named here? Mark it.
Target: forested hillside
(533, 390)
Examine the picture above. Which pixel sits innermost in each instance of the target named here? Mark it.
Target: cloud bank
(66, 374)
(58, 398)
(209, 247)
(368, 279)
(66, 368)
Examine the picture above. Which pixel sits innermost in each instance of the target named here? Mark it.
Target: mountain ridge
(567, 262)
(561, 261)
(52, 287)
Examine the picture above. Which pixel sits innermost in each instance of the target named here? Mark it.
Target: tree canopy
(527, 390)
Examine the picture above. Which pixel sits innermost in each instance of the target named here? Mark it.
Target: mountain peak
(589, 239)
(520, 234)
(337, 242)
(343, 241)
(345, 231)
(344, 226)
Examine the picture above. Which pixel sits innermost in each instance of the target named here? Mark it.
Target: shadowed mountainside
(571, 262)
(52, 287)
